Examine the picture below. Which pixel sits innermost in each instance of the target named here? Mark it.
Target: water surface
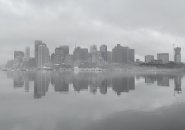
(90, 101)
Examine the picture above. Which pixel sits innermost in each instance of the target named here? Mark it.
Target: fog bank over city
(147, 26)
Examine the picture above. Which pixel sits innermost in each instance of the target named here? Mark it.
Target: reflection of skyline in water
(87, 82)
(164, 80)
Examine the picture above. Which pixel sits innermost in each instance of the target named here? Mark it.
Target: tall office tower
(43, 55)
(177, 55)
(131, 56)
(103, 52)
(94, 54)
(61, 53)
(163, 57)
(53, 58)
(27, 53)
(37, 44)
(123, 55)
(80, 55)
(109, 56)
(149, 58)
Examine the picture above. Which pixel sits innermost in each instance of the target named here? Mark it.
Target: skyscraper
(94, 54)
(80, 55)
(131, 56)
(123, 55)
(60, 54)
(103, 52)
(177, 55)
(43, 55)
(27, 53)
(37, 44)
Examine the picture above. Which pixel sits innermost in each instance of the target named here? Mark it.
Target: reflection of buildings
(162, 80)
(94, 83)
(103, 87)
(150, 79)
(123, 55)
(27, 84)
(177, 84)
(41, 84)
(80, 84)
(60, 83)
(123, 84)
(18, 80)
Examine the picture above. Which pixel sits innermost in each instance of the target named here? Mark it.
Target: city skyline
(119, 54)
(127, 22)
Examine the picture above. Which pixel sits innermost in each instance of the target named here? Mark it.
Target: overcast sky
(149, 26)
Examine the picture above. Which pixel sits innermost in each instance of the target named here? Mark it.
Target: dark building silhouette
(60, 54)
(80, 55)
(43, 55)
(177, 55)
(131, 58)
(164, 57)
(37, 44)
(123, 55)
(109, 56)
(149, 58)
(103, 52)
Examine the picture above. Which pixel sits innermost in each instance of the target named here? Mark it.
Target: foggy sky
(149, 26)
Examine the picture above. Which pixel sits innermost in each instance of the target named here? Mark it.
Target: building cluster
(163, 58)
(61, 57)
(83, 57)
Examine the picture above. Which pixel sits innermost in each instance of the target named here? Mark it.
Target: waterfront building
(164, 57)
(177, 55)
(103, 52)
(149, 58)
(37, 44)
(109, 56)
(43, 55)
(123, 55)
(61, 53)
(131, 56)
(80, 55)
(27, 54)
(94, 54)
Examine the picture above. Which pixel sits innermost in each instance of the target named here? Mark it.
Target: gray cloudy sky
(149, 26)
